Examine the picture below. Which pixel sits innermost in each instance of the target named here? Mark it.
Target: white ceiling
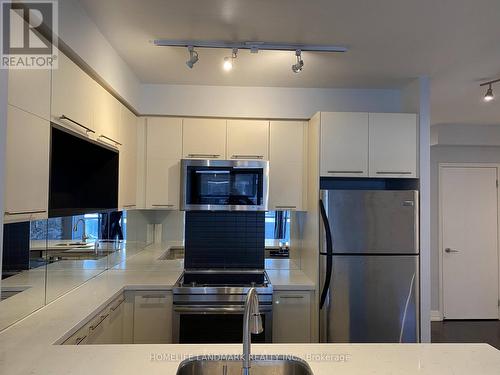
(456, 42)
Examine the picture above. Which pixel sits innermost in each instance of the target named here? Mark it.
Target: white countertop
(27, 346)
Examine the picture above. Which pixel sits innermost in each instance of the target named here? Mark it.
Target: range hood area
(83, 175)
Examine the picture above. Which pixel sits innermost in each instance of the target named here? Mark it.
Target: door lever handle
(448, 250)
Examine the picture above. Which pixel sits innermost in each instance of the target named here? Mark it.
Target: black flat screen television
(83, 175)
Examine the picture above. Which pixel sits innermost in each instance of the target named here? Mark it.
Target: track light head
(489, 94)
(228, 61)
(299, 65)
(193, 57)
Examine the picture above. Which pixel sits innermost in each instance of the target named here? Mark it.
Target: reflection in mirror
(23, 270)
(282, 240)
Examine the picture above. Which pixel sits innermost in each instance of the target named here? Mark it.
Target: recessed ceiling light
(228, 61)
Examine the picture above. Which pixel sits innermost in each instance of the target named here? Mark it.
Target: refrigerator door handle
(328, 254)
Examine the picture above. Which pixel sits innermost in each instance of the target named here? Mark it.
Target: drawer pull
(12, 213)
(291, 297)
(113, 308)
(394, 172)
(247, 157)
(153, 296)
(286, 207)
(349, 172)
(206, 156)
(129, 205)
(64, 117)
(162, 205)
(110, 139)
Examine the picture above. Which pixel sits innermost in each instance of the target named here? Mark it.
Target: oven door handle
(207, 309)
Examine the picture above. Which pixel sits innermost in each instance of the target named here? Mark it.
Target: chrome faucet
(75, 228)
(252, 323)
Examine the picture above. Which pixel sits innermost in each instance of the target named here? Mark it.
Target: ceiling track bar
(490, 82)
(253, 46)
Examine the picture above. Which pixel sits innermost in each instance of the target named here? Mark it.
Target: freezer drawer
(372, 299)
(373, 221)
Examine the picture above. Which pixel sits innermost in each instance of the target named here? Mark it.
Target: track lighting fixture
(252, 46)
(489, 96)
(193, 57)
(297, 67)
(228, 61)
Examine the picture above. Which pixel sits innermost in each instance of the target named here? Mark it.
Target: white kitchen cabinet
(292, 316)
(344, 144)
(127, 195)
(247, 139)
(163, 154)
(72, 96)
(153, 317)
(393, 145)
(29, 90)
(106, 116)
(204, 138)
(287, 174)
(26, 166)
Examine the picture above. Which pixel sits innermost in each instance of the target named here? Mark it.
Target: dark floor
(467, 331)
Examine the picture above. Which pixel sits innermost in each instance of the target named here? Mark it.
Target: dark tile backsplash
(224, 239)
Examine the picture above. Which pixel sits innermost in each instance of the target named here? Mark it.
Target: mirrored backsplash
(44, 259)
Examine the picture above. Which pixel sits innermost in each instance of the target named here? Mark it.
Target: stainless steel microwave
(224, 185)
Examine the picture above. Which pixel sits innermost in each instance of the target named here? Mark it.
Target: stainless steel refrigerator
(369, 266)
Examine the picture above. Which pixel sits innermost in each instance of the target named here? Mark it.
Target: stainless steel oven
(229, 185)
(209, 310)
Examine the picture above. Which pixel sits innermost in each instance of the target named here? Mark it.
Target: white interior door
(469, 242)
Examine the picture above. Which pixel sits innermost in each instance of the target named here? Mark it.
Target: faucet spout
(252, 323)
(75, 228)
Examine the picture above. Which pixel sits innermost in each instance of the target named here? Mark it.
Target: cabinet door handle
(207, 156)
(64, 117)
(350, 172)
(162, 205)
(129, 205)
(79, 340)
(394, 172)
(110, 139)
(286, 207)
(11, 213)
(247, 157)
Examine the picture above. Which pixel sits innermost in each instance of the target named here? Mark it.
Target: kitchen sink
(231, 365)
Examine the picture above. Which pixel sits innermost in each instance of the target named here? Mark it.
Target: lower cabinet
(153, 317)
(292, 316)
(134, 317)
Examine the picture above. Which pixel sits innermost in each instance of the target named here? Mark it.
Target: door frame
(441, 167)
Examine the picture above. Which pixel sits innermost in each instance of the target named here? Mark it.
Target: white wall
(450, 154)
(81, 34)
(262, 102)
(3, 127)
(416, 98)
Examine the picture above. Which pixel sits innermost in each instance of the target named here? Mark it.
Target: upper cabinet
(247, 139)
(127, 195)
(72, 96)
(163, 154)
(368, 145)
(393, 145)
(287, 174)
(29, 90)
(26, 166)
(203, 138)
(344, 144)
(107, 116)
